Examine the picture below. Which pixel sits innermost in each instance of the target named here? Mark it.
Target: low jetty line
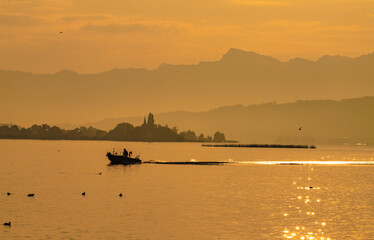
(259, 146)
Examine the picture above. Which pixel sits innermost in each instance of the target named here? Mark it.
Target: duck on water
(125, 158)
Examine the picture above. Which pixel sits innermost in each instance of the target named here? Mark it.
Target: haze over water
(247, 71)
(230, 201)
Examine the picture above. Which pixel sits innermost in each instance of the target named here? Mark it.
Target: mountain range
(239, 77)
(347, 121)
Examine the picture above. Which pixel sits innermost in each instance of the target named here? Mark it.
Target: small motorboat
(125, 158)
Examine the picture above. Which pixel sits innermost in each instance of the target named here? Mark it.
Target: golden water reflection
(353, 162)
(304, 218)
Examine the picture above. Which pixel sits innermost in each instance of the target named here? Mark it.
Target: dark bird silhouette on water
(300, 128)
(99, 173)
(311, 187)
(8, 193)
(7, 224)
(120, 195)
(83, 193)
(60, 32)
(31, 194)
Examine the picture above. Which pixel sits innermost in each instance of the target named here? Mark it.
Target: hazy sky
(101, 35)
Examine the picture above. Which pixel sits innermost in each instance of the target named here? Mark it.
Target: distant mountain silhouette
(238, 77)
(323, 121)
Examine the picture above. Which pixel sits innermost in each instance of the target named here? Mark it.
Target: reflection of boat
(121, 159)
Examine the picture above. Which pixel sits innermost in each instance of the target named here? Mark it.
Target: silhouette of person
(125, 153)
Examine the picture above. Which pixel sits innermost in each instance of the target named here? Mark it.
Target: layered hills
(239, 77)
(347, 121)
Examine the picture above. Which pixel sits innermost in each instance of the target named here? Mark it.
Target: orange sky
(101, 35)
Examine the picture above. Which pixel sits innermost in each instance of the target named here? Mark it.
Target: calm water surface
(232, 201)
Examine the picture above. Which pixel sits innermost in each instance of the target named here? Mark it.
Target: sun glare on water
(314, 162)
(303, 220)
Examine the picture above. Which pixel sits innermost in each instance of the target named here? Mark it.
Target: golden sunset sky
(101, 35)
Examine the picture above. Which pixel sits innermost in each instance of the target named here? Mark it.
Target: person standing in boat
(125, 152)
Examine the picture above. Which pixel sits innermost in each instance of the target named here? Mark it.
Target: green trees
(148, 131)
(121, 132)
(151, 120)
(201, 138)
(219, 137)
(189, 136)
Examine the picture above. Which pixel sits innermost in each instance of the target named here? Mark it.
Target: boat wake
(187, 162)
(312, 162)
(264, 162)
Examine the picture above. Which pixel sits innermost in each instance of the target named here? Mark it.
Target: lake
(250, 198)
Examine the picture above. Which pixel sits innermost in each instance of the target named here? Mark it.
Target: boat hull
(118, 159)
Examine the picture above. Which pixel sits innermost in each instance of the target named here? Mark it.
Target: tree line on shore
(148, 131)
